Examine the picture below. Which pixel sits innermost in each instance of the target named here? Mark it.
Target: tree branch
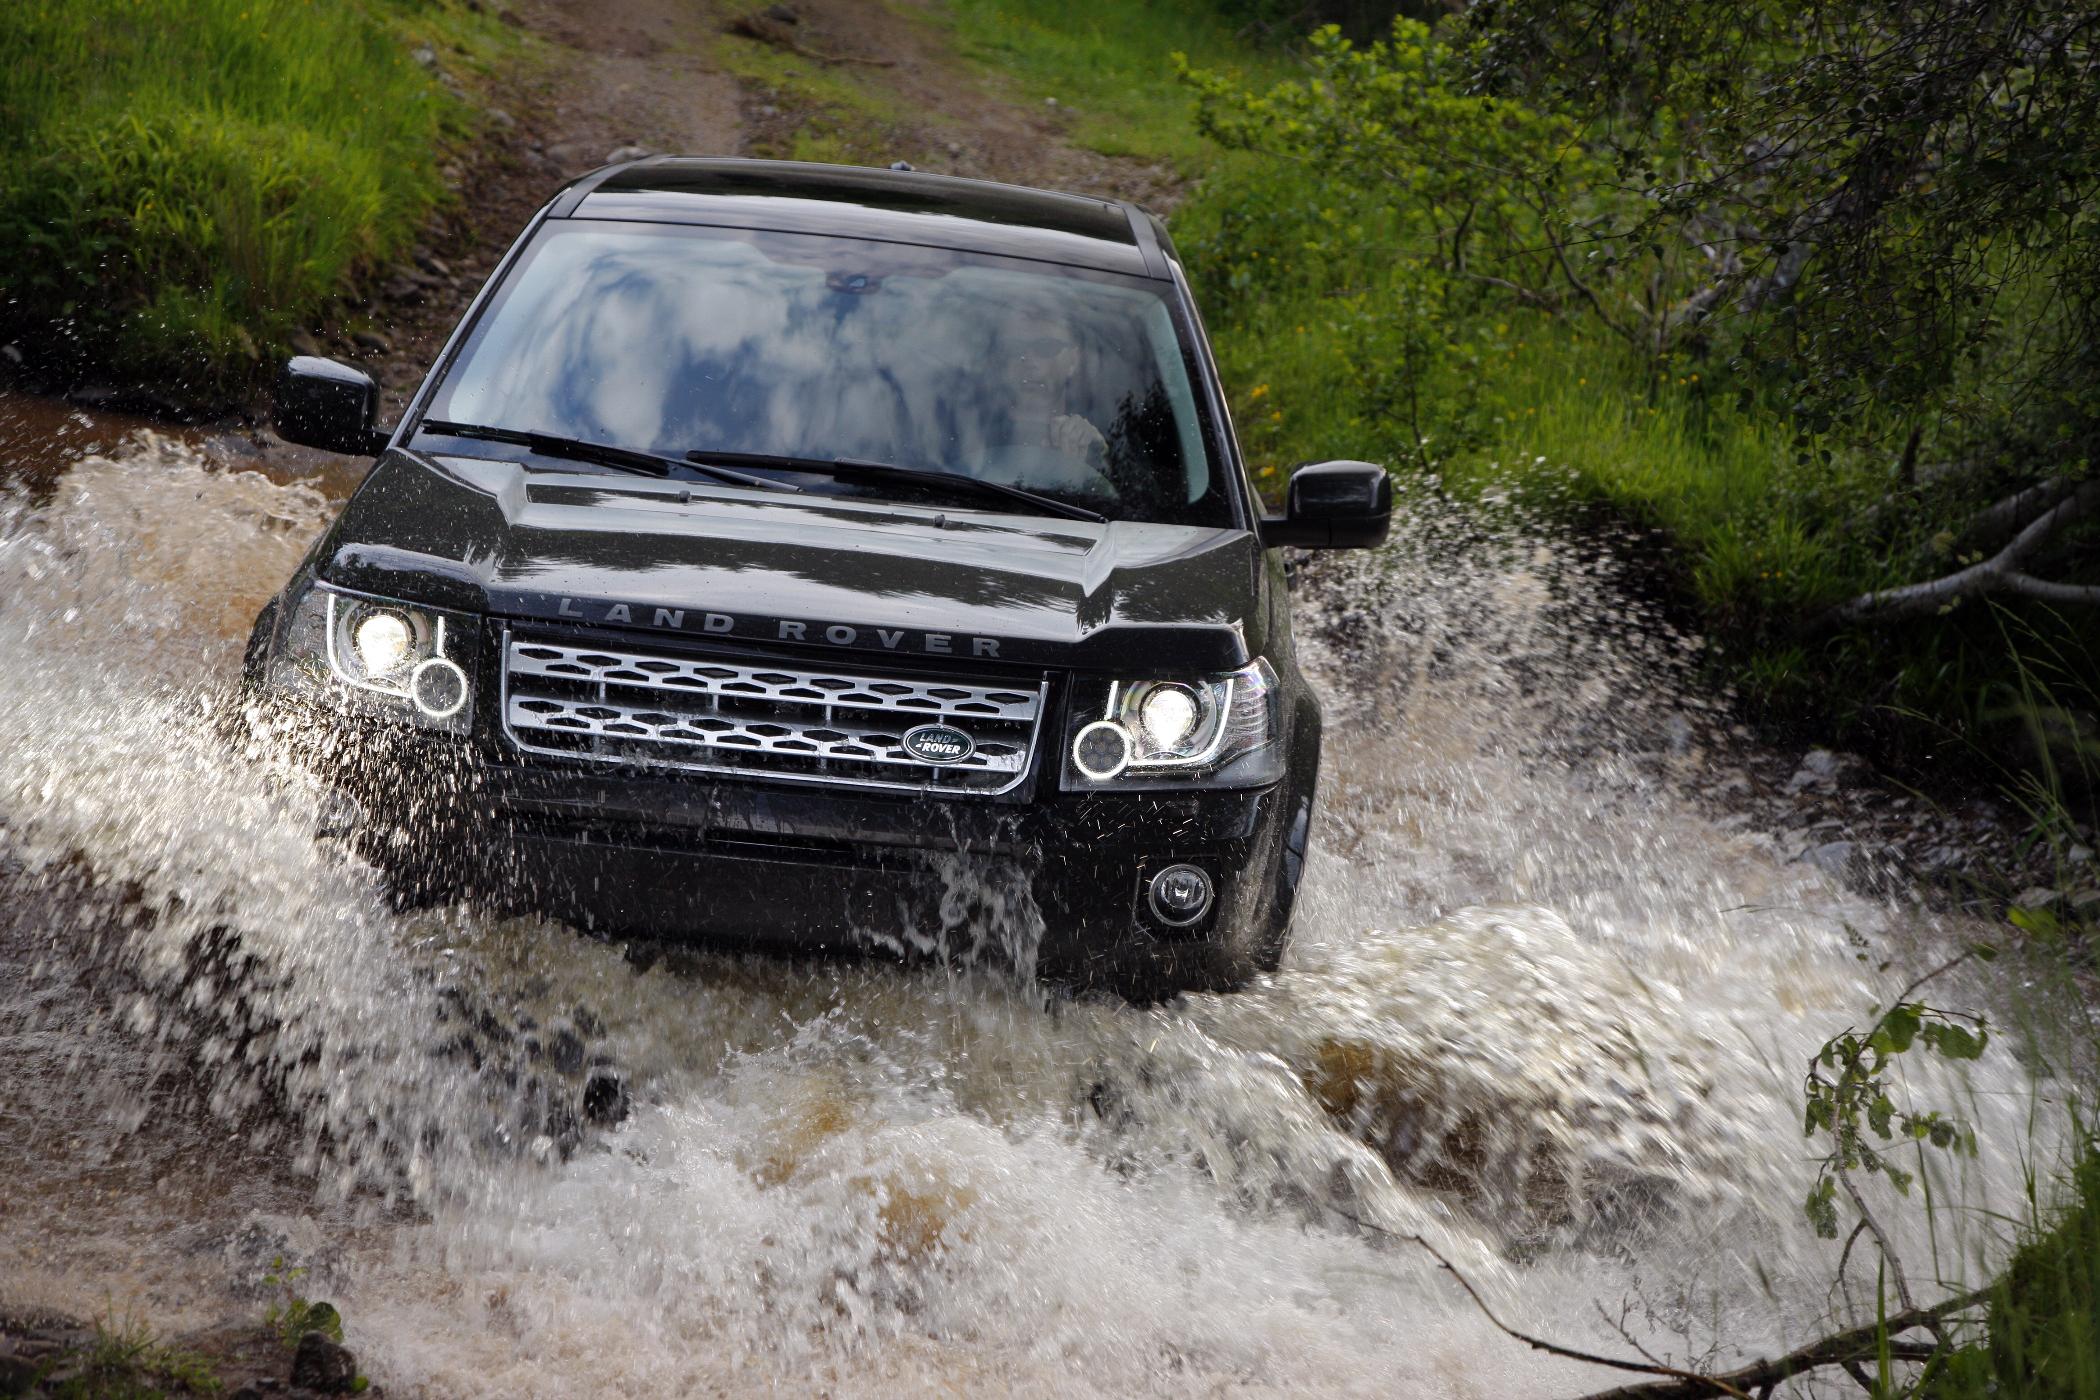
(1855, 1344)
(1998, 522)
(1999, 572)
(1713, 1385)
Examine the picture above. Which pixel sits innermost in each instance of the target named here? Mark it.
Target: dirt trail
(622, 78)
(606, 79)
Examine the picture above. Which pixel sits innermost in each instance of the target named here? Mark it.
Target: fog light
(438, 687)
(1179, 895)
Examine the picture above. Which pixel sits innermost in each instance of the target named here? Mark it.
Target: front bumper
(1056, 883)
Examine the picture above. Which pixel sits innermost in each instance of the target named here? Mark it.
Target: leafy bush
(1441, 253)
(190, 179)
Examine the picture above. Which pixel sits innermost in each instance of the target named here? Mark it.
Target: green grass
(2043, 1341)
(1110, 62)
(126, 1360)
(185, 181)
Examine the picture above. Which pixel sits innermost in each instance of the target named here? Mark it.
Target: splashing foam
(1541, 1012)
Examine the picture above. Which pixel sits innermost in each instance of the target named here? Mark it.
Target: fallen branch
(1996, 523)
(1713, 1385)
(1855, 1345)
(1998, 574)
(772, 31)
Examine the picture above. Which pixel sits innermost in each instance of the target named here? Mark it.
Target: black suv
(817, 556)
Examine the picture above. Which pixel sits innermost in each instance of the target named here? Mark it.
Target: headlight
(1210, 731)
(375, 656)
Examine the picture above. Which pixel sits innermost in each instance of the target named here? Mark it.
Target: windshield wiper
(600, 454)
(854, 469)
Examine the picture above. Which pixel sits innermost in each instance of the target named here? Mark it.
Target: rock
(605, 1100)
(11, 353)
(624, 153)
(323, 1366)
(2085, 904)
(1833, 858)
(1819, 770)
(2079, 855)
(303, 343)
(500, 119)
(565, 1051)
(425, 55)
(371, 340)
(2038, 897)
(781, 14)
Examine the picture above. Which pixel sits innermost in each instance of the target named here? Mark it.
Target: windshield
(668, 339)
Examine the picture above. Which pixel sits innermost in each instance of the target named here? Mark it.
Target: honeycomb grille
(719, 715)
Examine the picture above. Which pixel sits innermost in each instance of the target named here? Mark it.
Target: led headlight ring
(438, 687)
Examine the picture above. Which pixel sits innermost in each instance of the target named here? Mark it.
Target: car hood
(822, 572)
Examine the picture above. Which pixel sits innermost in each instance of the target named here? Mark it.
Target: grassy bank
(1111, 62)
(2043, 1329)
(185, 181)
(1338, 337)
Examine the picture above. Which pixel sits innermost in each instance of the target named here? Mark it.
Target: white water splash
(1542, 1011)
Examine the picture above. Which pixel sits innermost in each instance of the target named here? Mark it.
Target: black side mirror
(327, 404)
(1334, 505)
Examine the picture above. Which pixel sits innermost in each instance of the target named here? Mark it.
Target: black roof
(902, 206)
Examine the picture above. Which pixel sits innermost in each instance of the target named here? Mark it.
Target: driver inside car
(1046, 360)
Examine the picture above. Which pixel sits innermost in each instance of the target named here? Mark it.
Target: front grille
(722, 715)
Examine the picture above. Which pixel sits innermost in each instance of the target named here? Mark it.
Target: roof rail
(1142, 234)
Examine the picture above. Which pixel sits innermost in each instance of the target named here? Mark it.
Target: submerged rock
(324, 1366)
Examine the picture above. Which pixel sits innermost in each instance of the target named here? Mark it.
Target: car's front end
(773, 691)
(638, 747)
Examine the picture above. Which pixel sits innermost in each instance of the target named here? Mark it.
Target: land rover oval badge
(938, 743)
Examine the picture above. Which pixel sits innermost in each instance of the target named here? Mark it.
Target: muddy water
(1543, 1011)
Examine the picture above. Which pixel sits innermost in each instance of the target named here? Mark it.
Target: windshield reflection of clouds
(670, 340)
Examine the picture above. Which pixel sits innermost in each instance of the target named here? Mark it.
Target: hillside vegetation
(1808, 289)
(182, 182)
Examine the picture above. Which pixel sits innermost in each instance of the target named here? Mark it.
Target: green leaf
(1879, 1113)
(1821, 1208)
(1956, 1043)
(323, 1318)
(2039, 922)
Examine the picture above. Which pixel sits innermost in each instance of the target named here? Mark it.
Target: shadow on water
(1543, 1010)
